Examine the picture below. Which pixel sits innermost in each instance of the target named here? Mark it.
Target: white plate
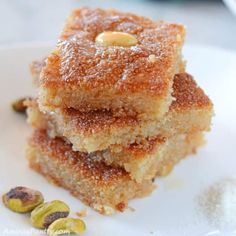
(173, 209)
(231, 4)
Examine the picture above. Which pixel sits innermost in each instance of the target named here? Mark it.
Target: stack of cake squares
(109, 119)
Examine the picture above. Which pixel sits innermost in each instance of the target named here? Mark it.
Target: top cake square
(105, 59)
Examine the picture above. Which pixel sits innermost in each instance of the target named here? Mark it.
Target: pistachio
(46, 213)
(66, 226)
(19, 106)
(116, 39)
(22, 199)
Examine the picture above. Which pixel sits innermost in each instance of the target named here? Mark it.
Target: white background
(208, 22)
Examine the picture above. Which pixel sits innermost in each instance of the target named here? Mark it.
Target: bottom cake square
(104, 188)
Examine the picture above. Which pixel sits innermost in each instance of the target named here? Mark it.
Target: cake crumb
(82, 213)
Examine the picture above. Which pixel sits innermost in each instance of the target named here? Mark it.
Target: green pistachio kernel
(22, 199)
(66, 226)
(46, 213)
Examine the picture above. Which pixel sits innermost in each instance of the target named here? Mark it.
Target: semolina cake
(86, 75)
(115, 107)
(104, 188)
(191, 111)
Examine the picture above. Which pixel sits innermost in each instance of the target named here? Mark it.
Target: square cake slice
(86, 74)
(191, 111)
(104, 188)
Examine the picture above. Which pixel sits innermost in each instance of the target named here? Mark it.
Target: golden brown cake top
(146, 146)
(96, 120)
(148, 66)
(58, 149)
(188, 94)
